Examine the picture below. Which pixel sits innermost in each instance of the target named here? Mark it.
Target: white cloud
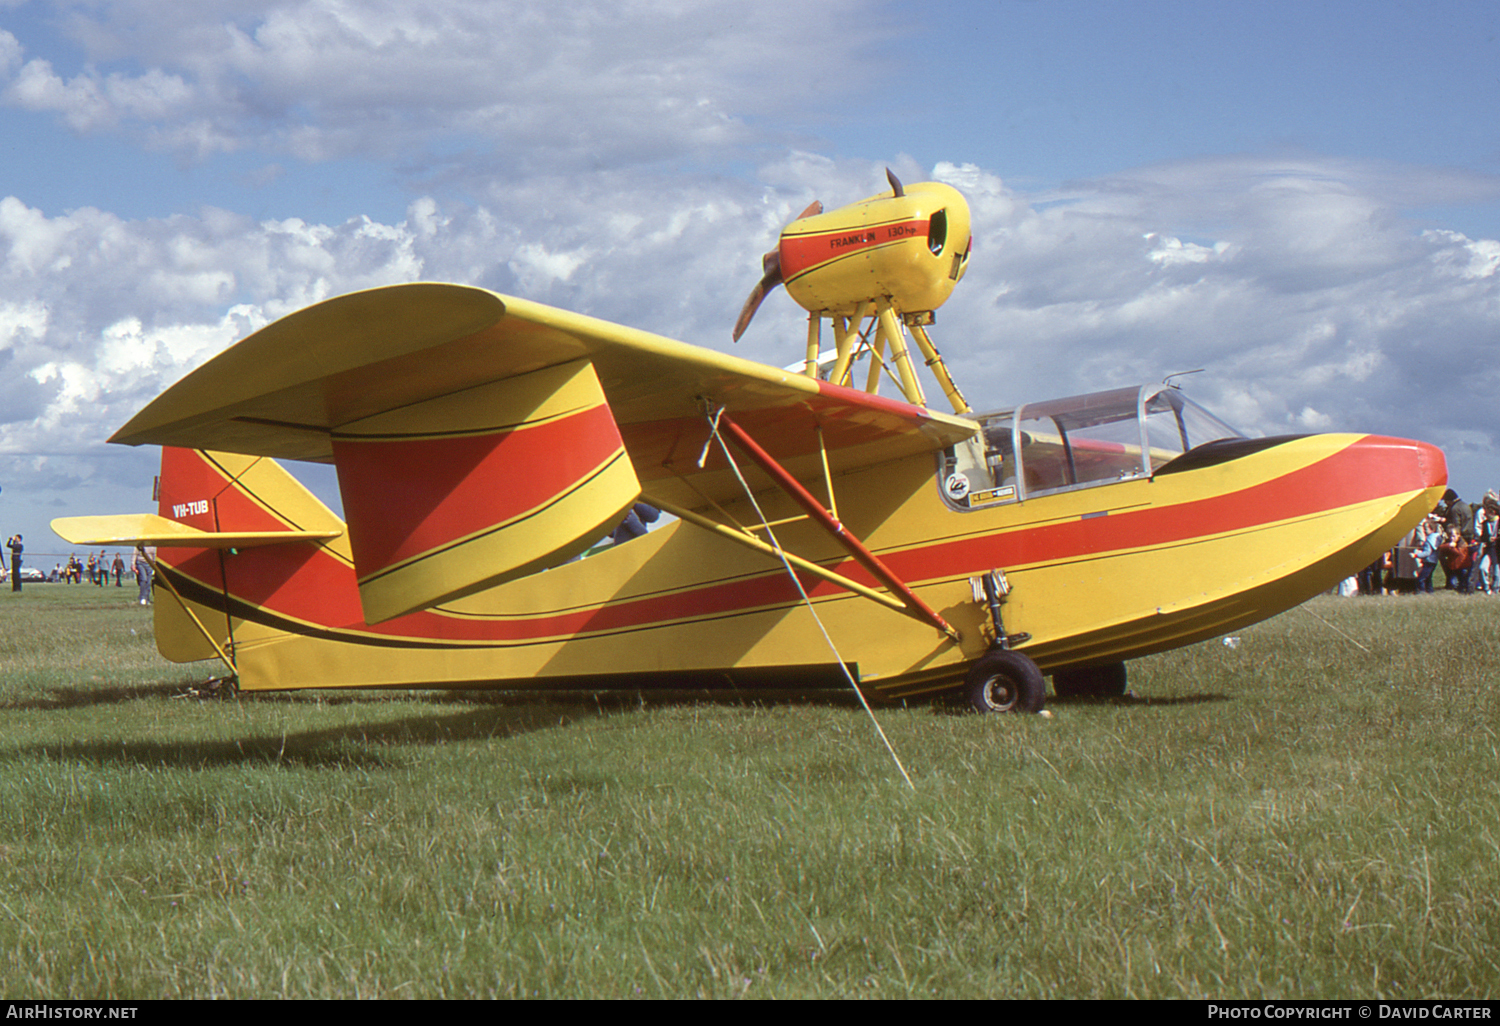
(601, 152)
(1102, 289)
(531, 83)
(1311, 420)
(10, 52)
(1169, 251)
(21, 322)
(1465, 257)
(536, 269)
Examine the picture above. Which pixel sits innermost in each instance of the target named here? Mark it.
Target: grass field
(1310, 814)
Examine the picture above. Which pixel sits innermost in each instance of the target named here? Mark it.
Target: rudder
(268, 541)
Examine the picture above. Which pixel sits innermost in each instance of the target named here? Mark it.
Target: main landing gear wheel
(1108, 681)
(1005, 681)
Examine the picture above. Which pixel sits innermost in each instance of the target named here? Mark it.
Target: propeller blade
(772, 278)
(771, 265)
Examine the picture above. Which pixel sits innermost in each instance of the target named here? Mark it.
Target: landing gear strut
(1003, 680)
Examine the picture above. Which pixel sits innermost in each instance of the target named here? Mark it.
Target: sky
(1302, 199)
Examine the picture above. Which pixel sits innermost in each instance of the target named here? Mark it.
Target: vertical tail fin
(267, 542)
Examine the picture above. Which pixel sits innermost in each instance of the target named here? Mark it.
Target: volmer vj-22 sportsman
(822, 531)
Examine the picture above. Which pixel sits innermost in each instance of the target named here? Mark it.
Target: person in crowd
(1372, 578)
(1456, 559)
(16, 546)
(634, 524)
(1452, 510)
(1482, 545)
(1487, 535)
(141, 564)
(1429, 537)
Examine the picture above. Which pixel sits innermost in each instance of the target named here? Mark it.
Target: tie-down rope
(713, 423)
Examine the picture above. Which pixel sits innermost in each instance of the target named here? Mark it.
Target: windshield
(1078, 442)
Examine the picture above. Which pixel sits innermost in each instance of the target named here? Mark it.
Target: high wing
(285, 390)
(480, 437)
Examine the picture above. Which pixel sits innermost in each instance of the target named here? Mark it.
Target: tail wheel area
(1108, 681)
(1005, 681)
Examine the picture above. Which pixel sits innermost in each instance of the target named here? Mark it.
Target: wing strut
(748, 540)
(851, 544)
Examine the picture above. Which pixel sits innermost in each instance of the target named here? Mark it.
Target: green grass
(1295, 817)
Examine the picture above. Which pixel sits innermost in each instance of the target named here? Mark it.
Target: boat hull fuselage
(1098, 574)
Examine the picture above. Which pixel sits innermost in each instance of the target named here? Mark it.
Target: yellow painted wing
(285, 390)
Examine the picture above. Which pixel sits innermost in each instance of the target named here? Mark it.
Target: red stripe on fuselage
(318, 590)
(1369, 468)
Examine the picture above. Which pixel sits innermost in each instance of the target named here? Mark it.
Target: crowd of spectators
(1458, 538)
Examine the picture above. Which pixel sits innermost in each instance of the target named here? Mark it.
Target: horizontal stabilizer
(150, 529)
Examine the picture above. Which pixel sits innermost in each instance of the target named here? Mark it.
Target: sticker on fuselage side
(957, 486)
(196, 508)
(990, 496)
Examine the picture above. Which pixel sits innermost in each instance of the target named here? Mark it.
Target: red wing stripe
(440, 550)
(406, 498)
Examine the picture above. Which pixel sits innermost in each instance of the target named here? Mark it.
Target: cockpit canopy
(1080, 442)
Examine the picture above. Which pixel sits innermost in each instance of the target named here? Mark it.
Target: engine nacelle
(910, 245)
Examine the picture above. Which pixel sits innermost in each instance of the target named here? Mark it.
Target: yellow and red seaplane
(822, 531)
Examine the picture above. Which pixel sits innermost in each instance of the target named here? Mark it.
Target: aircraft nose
(1432, 465)
(1403, 465)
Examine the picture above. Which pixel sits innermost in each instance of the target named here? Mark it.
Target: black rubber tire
(1005, 681)
(1108, 681)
